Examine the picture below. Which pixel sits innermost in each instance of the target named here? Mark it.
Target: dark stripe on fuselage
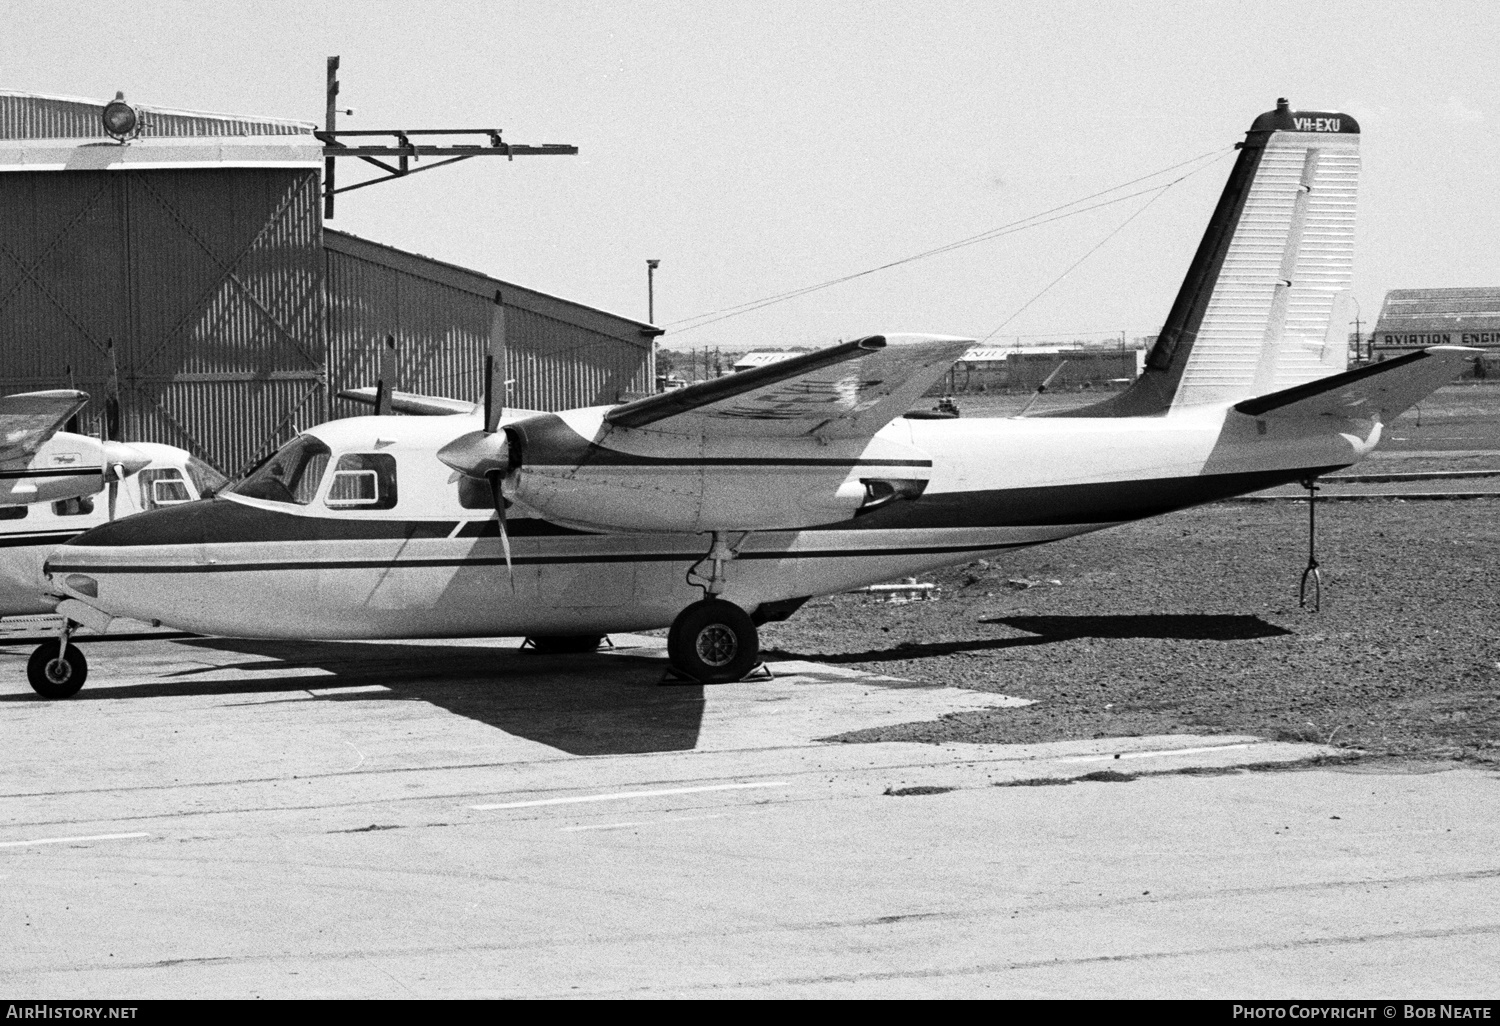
(12, 541)
(226, 521)
(14, 475)
(1107, 502)
(601, 456)
(694, 556)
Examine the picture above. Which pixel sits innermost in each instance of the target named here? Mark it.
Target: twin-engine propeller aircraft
(719, 506)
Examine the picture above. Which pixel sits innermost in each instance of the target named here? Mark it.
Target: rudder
(1263, 306)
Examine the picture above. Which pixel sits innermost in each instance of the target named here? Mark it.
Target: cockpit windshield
(206, 479)
(291, 475)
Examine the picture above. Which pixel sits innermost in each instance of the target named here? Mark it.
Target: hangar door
(209, 283)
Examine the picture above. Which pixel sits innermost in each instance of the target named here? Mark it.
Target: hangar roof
(64, 133)
(1419, 310)
(466, 280)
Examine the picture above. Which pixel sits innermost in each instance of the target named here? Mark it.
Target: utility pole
(330, 126)
(651, 266)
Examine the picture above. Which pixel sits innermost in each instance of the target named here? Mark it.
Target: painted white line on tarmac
(624, 795)
(69, 840)
(1159, 751)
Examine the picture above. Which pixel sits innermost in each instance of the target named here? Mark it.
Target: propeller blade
(112, 397)
(386, 383)
(494, 369)
(495, 477)
(114, 494)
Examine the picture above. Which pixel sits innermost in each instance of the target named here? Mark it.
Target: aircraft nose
(130, 459)
(118, 567)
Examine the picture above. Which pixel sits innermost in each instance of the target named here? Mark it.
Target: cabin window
(76, 507)
(163, 486)
(363, 480)
(292, 474)
(13, 512)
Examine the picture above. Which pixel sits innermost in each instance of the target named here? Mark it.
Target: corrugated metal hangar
(1411, 319)
(196, 258)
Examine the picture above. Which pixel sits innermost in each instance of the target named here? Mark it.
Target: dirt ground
(1189, 623)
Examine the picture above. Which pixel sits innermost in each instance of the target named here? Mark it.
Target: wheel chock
(758, 672)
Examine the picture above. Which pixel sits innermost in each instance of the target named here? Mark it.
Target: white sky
(760, 147)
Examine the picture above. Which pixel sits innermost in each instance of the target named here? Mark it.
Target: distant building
(1018, 368)
(1412, 319)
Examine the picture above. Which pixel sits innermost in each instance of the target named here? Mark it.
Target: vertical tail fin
(1266, 299)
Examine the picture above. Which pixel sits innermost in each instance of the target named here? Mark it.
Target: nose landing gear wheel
(713, 641)
(52, 677)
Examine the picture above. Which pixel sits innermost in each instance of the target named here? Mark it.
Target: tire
(52, 677)
(562, 644)
(713, 642)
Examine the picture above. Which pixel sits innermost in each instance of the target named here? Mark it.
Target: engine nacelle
(578, 471)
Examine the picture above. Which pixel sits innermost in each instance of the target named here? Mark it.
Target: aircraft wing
(412, 403)
(28, 419)
(846, 391)
(1381, 390)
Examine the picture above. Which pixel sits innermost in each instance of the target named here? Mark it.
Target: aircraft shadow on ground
(591, 704)
(1047, 630)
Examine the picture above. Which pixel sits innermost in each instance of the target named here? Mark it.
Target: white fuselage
(431, 567)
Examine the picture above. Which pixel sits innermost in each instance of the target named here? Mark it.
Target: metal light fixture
(120, 119)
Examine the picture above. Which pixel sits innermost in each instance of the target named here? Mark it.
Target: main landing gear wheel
(713, 641)
(52, 677)
(561, 644)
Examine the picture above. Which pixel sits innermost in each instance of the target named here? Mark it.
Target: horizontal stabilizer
(411, 403)
(849, 390)
(1382, 391)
